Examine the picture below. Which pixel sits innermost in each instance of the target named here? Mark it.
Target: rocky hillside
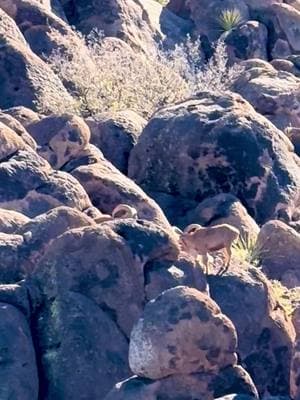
(188, 111)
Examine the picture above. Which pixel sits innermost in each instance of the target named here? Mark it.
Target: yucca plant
(229, 19)
(246, 249)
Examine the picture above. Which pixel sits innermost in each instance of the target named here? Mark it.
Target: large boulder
(29, 185)
(282, 21)
(187, 387)
(24, 115)
(18, 370)
(107, 187)
(105, 263)
(160, 276)
(205, 14)
(92, 288)
(185, 343)
(274, 94)
(115, 135)
(138, 23)
(63, 140)
(82, 353)
(43, 30)
(212, 144)
(11, 221)
(18, 128)
(280, 252)
(181, 332)
(11, 268)
(224, 209)
(265, 334)
(39, 232)
(248, 40)
(60, 138)
(26, 80)
(9, 28)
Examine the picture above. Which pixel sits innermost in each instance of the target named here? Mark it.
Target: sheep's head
(124, 211)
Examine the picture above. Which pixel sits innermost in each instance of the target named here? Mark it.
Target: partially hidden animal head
(124, 211)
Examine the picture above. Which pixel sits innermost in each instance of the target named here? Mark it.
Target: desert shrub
(229, 19)
(110, 76)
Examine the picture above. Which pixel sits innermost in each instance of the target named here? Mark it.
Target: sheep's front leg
(206, 262)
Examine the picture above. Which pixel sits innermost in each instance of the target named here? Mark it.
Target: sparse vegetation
(229, 19)
(289, 299)
(109, 76)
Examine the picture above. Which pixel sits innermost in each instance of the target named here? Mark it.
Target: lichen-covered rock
(18, 128)
(10, 142)
(224, 209)
(140, 23)
(285, 65)
(24, 115)
(205, 14)
(30, 186)
(26, 79)
(11, 268)
(283, 21)
(160, 276)
(60, 138)
(214, 144)
(18, 296)
(39, 232)
(11, 221)
(107, 187)
(265, 334)
(188, 387)
(182, 331)
(115, 135)
(18, 370)
(82, 353)
(105, 263)
(280, 254)
(294, 136)
(274, 94)
(9, 28)
(246, 41)
(43, 30)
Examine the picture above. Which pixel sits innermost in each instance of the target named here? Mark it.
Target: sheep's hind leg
(228, 258)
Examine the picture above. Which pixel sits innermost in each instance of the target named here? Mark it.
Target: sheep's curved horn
(192, 228)
(124, 211)
(177, 230)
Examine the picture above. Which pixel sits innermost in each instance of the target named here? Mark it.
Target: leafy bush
(110, 76)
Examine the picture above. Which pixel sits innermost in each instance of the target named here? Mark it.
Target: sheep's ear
(177, 230)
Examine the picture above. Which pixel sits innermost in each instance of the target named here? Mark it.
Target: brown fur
(199, 240)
